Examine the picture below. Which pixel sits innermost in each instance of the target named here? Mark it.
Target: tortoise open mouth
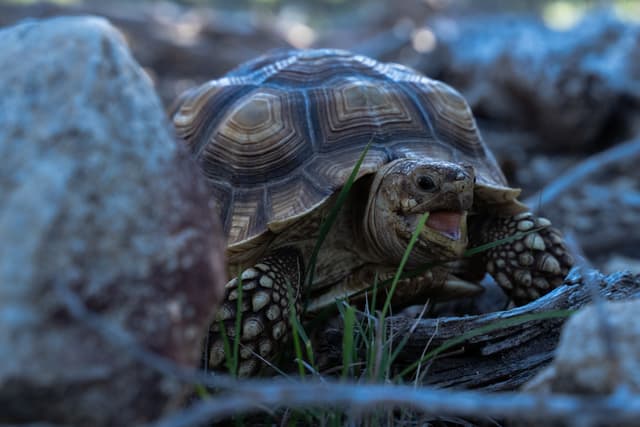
(451, 224)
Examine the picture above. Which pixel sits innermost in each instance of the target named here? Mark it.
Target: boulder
(598, 352)
(101, 210)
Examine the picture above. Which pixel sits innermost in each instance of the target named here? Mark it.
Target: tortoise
(278, 137)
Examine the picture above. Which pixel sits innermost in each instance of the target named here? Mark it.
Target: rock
(598, 352)
(97, 203)
(171, 40)
(619, 263)
(575, 89)
(598, 203)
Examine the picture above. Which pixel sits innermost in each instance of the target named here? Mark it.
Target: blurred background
(554, 85)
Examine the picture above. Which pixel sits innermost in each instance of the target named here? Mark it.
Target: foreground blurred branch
(618, 409)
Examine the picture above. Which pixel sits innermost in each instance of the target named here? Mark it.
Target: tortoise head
(402, 191)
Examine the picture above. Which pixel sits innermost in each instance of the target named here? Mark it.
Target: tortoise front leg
(264, 312)
(530, 266)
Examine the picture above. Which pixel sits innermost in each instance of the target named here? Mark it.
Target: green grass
(232, 353)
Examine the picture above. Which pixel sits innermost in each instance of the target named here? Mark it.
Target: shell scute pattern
(262, 136)
(279, 135)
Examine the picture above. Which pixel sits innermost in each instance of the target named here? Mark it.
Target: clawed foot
(264, 310)
(530, 266)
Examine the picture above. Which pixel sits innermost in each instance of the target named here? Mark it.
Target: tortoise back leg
(265, 307)
(530, 266)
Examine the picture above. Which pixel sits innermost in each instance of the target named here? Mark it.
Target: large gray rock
(97, 202)
(598, 353)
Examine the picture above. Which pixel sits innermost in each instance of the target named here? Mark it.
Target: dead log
(501, 359)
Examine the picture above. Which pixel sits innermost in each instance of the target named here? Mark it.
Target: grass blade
(348, 340)
(238, 326)
(333, 214)
(231, 354)
(295, 331)
(485, 247)
(403, 261)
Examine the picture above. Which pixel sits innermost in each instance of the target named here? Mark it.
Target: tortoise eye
(426, 183)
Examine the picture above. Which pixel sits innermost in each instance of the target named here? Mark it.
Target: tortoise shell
(279, 135)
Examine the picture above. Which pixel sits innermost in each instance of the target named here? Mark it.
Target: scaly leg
(529, 267)
(265, 311)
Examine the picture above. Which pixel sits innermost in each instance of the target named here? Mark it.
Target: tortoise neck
(378, 230)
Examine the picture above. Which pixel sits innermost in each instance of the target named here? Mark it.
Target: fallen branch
(499, 360)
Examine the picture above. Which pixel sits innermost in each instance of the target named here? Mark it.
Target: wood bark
(502, 359)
